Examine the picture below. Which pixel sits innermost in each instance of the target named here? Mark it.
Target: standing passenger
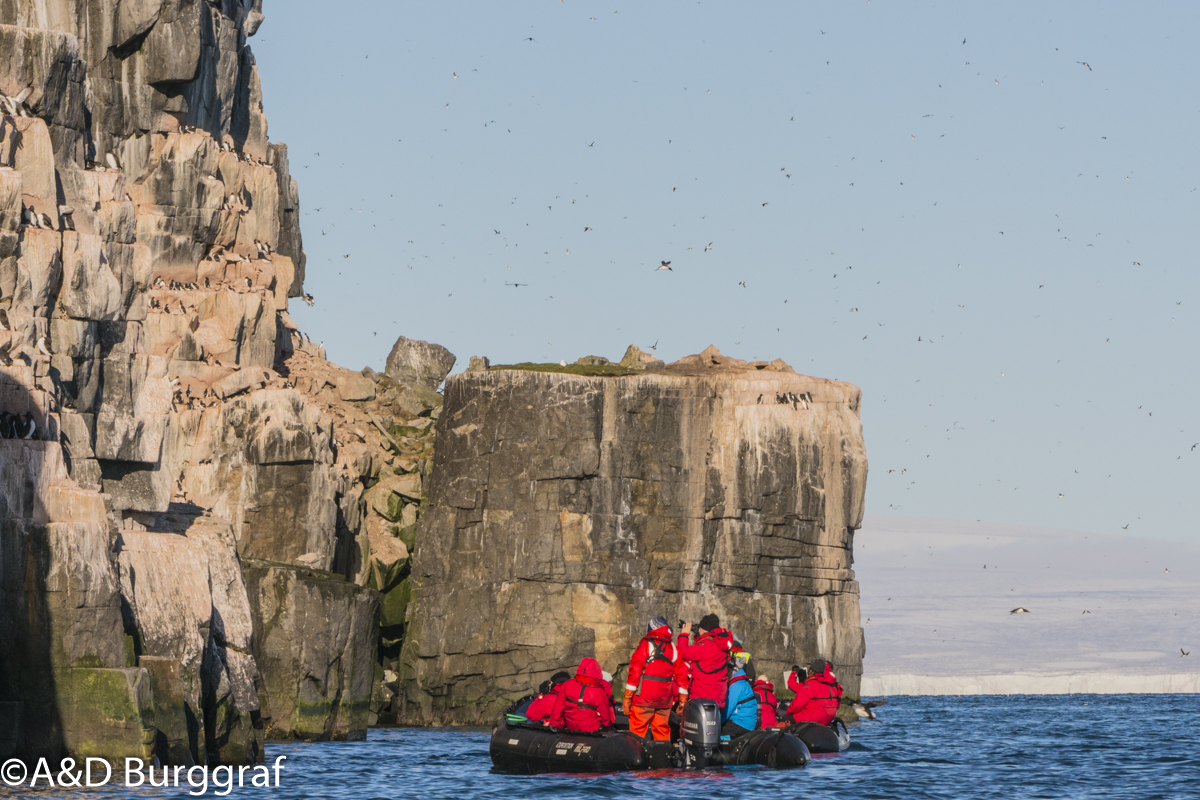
(707, 659)
(651, 688)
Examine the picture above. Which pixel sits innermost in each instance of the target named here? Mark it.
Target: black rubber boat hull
(529, 751)
(822, 738)
(768, 748)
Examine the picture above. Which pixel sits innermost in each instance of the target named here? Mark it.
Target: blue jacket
(742, 705)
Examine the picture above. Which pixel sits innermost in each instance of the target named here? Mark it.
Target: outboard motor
(699, 733)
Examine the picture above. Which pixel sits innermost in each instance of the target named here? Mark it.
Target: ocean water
(1081, 746)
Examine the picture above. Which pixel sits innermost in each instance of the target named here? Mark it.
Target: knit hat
(710, 622)
(656, 623)
(560, 677)
(817, 667)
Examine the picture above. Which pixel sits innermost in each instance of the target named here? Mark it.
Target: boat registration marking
(514, 741)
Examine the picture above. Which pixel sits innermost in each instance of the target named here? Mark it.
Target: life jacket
(767, 702)
(656, 683)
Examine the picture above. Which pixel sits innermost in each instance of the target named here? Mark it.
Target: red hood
(589, 671)
(764, 683)
(660, 635)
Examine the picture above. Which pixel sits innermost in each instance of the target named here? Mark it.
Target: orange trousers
(658, 720)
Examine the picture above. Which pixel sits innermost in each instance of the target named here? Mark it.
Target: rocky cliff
(567, 506)
(197, 510)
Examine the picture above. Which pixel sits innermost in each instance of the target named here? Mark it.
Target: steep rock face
(152, 429)
(317, 642)
(581, 506)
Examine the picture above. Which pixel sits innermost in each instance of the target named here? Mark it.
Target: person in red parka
(583, 704)
(651, 688)
(817, 697)
(707, 660)
(543, 706)
(767, 703)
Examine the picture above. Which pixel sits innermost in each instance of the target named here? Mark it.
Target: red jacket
(652, 671)
(543, 706)
(583, 704)
(707, 662)
(816, 699)
(767, 702)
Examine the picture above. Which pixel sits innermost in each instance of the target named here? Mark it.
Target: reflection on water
(1124, 746)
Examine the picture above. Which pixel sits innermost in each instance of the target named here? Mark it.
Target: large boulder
(416, 362)
(315, 642)
(593, 503)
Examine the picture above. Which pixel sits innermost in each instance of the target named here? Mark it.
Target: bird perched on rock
(1019, 610)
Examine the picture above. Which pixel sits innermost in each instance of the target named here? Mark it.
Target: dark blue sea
(1082, 746)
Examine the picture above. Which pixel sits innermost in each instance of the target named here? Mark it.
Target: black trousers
(732, 729)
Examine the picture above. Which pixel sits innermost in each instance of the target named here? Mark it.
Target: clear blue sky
(995, 241)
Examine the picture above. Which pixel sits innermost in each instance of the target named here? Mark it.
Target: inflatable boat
(831, 738)
(528, 748)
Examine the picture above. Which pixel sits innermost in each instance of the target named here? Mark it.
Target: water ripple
(1141, 747)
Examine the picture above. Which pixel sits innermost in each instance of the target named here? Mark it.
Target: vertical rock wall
(565, 510)
(156, 427)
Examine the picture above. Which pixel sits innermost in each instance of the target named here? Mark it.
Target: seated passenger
(740, 715)
(764, 690)
(543, 706)
(817, 697)
(583, 704)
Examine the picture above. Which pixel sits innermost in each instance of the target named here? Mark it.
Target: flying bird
(708, 247)
(1183, 652)
(1089, 66)
(665, 265)
(1019, 610)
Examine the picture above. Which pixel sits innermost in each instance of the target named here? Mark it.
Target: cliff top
(636, 361)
